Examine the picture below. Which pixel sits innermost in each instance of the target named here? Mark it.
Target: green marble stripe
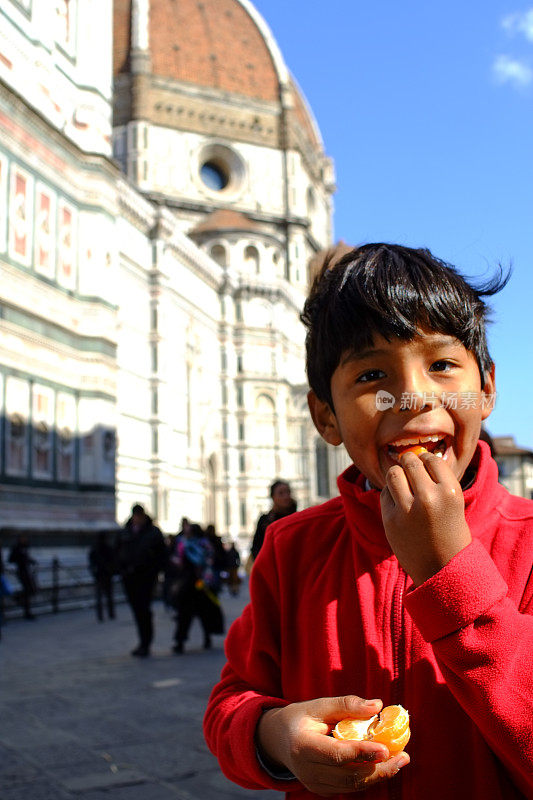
(49, 330)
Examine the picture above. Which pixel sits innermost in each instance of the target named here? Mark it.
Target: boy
(415, 585)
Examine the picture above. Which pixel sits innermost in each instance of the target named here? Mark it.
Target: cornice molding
(38, 124)
(134, 207)
(206, 208)
(274, 291)
(185, 250)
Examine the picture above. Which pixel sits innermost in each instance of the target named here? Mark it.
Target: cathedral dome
(220, 46)
(212, 43)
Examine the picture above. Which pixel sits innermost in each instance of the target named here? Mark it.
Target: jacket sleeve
(483, 643)
(250, 682)
(159, 550)
(259, 535)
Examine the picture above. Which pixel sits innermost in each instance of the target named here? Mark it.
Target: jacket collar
(363, 511)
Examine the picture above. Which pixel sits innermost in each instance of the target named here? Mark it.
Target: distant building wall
(150, 349)
(515, 466)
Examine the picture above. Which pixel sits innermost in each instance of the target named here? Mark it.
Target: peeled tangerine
(417, 449)
(390, 727)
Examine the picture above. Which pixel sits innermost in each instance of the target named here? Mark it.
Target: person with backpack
(193, 594)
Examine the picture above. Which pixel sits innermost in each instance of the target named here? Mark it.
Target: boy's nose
(416, 393)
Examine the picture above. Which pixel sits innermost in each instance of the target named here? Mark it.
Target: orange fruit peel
(390, 727)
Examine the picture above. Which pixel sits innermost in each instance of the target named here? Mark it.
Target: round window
(214, 176)
(220, 169)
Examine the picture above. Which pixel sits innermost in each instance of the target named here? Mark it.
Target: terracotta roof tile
(225, 219)
(121, 35)
(303, 115)
(212, 43)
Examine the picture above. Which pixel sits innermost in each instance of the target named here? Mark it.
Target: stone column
(140, 38)
(140, 57)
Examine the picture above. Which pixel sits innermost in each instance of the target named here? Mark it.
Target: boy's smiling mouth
(436, 443)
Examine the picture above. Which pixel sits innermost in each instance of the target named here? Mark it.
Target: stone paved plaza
(81, 718)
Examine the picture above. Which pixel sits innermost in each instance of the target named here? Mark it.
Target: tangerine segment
(417, 449)
(353, 728)
(392, 728)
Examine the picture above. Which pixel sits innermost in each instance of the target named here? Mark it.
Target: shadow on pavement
(81, 718)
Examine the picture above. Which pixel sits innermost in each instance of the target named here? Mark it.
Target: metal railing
(59, 587)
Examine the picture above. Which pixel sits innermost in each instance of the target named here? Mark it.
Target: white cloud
(510, 70)
(520, 22)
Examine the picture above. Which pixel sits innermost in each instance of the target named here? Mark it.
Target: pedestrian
(173, 569)
(141, 555)
(169, 573)
(26, 572)
(5, 591)
(283, 504)
(414, 587)
(193, 593)
(102, 566)
(185, 526)
(219, 557)
(233, 562)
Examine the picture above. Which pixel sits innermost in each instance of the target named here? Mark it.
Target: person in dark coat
(25, 564)
(5, 590)
(141, 554)
(283, 504)
(233, 562)
(102, 568)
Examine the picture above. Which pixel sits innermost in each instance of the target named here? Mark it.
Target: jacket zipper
(397, 631)
(398, 661)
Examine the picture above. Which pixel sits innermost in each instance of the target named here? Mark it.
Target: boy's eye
(441, 366)
(371, 375)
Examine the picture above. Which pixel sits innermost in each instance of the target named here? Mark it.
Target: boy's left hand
(422, 506)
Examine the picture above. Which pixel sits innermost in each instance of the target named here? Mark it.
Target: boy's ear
(324, 419)
(488, 393)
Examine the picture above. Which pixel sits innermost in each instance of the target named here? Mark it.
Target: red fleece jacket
(333, 613)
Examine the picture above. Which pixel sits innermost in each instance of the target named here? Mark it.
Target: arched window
(311, 200)
(218, 254)
(42, 450)
(264, 404)
(251, 259)
(17, 444)
(265, 420)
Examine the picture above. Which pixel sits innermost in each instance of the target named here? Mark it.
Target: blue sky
(427, 111)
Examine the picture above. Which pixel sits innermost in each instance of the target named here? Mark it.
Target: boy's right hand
(296, 737)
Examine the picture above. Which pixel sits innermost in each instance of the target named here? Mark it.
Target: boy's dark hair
(390, 290)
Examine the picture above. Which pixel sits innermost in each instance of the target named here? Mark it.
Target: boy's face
(397, 393)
